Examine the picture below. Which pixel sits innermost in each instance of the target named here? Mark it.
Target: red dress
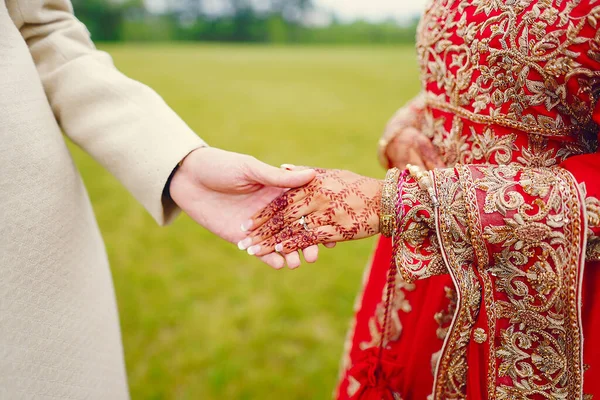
(495, 291)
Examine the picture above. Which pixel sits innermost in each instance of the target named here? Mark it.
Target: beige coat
(59, 327)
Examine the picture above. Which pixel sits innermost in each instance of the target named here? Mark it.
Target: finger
(293, 260)
(429, 153)
(274, 208)
(292, 167)
(402, 153)
(415, 158)
(311, 254)
(330, 245)
(274, 260)
(278, 222)
(271, 176)
(304, 239)
(268, 245)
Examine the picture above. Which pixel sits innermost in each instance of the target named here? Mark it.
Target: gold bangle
(389, 198)
(424, 180)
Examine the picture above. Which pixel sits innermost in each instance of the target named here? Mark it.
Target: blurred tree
(271, 21)
(104, 18)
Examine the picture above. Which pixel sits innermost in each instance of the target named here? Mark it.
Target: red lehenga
(495, 292)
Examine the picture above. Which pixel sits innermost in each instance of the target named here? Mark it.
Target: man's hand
(222, 190)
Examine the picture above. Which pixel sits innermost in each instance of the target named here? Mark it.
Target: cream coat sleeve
(122, 123)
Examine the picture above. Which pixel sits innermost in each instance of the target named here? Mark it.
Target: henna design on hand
(339, 206)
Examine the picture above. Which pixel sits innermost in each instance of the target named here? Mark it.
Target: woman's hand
(411, 146)
(402, 143)
(336, 206)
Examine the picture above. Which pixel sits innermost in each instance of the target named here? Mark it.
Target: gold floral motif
(479, 335)
(592, 208)
(490, 148)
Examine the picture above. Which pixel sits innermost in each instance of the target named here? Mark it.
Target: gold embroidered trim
(537, 267)
(451, 373)
(482, 259)
(433, 102)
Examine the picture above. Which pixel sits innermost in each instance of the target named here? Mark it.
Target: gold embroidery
(481, 258)
(494, 71)
(444, 317)
(592, 206)
(419, 255)
(479, 335)
(592, 209)
(508, 63)
(451, 371)
(540, 349)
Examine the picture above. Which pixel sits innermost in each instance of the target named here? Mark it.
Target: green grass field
(200, 319)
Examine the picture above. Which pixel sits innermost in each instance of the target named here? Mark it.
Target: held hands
(221, 191)
(336, 206)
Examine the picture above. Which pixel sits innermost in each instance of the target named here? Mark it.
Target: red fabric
(379, 374)
(418, 340)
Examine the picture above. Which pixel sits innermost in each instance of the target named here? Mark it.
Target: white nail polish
(279, 247)
(289, 167)
(244, 244)
(246, 226)
(253, 250)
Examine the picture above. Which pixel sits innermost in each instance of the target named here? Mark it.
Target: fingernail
(253, 250)
(244, 244)
(246, 226)
(279, 247)
(289, 167)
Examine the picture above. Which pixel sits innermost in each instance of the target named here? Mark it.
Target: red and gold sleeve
(512, 239)
(480, 203)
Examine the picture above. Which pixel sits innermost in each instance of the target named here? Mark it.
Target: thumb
(283, 178)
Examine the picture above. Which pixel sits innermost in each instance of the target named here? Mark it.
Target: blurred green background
(255, 21)
(200, 319)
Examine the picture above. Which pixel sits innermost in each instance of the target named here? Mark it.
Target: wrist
(182, 168)
(166, 194)
(374, 212)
